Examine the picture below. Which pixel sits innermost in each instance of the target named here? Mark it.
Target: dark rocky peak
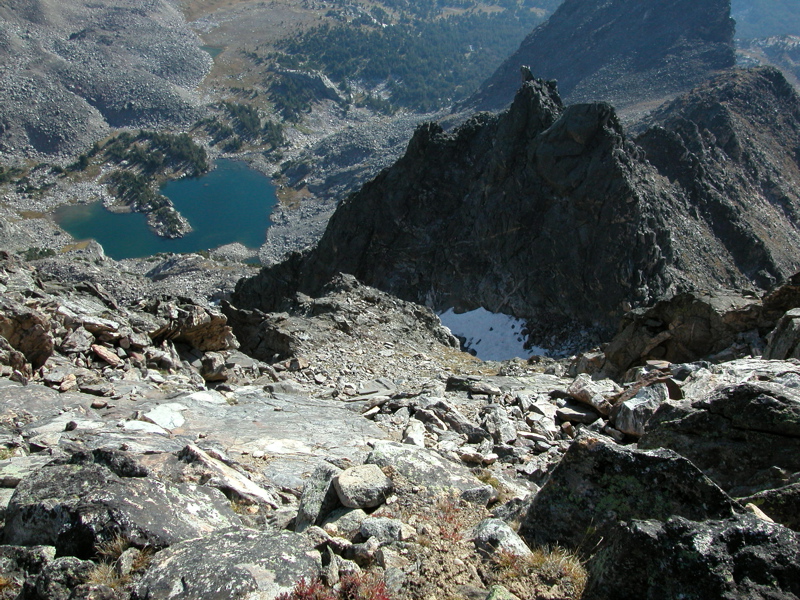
(538, 210)
(551, 214)
(621, 51)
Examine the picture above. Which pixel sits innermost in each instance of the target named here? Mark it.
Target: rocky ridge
(697, 202)
(658, 50)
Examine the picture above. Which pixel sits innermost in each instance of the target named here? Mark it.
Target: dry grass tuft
(106, 574)
(548, 566)
(112, 549)
(143, 559)
(8, 588)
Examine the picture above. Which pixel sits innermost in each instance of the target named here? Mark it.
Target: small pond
(230, 204)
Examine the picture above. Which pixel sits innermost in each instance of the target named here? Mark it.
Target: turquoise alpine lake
(230, 204)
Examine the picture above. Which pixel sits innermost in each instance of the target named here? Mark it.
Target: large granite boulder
(429, 470)
(76, 506)
(741, 557)
(229, 565)
(598, 483)
(744, 437)
(27, 330)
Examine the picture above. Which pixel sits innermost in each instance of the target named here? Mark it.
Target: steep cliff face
(547, 212)
(620, 51)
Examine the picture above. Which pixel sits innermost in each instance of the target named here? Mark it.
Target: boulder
(199, 327)
(57, 579)
(382, 528)
(498, 424)
(598, 483)
(27, 330)
(494, 535)
(429, 470)
(631, 415)
(682, 329)
(364, 486)
(784, 340)
(76, 506)
(782, 504)
(319, 497)
(229, 565)
(594, 393)
(738, 557)
(344, 522)
(745, 437)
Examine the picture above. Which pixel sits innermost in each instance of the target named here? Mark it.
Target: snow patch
(489, 336)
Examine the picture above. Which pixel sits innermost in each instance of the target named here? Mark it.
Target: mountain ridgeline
(624, 52)
(550, 212)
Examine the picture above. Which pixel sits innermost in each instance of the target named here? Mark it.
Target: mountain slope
(70, 70)
(551, 213)
(619, 51)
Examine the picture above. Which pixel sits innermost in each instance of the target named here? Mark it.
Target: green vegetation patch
(426, 60)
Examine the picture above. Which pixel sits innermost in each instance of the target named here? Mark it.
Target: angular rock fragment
(319, 497)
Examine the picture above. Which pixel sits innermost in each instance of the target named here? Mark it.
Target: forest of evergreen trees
(427, 62)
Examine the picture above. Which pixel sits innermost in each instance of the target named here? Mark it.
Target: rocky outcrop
(740, 557)
(238, 563)
(552, 214)
(623, 52)
(598, 484)
(745, 437)
(685, 328)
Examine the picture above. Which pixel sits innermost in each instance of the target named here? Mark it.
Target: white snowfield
(490, 336)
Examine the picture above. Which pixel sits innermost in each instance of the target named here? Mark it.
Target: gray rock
(577, 413)
(319, 497)
(382, 528)
(427, 469)
(498, 424)
(364, 486)
(58, 578)
(739, 557)
(73, 507)
(784, 340)
(745, 437)
(414, 433)
(632, 415)
(598, 483)
(781, 504)
(593, 393)
(344, 522)
(494, 535)
(498, 592)
(228, 565)
(77, 341)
